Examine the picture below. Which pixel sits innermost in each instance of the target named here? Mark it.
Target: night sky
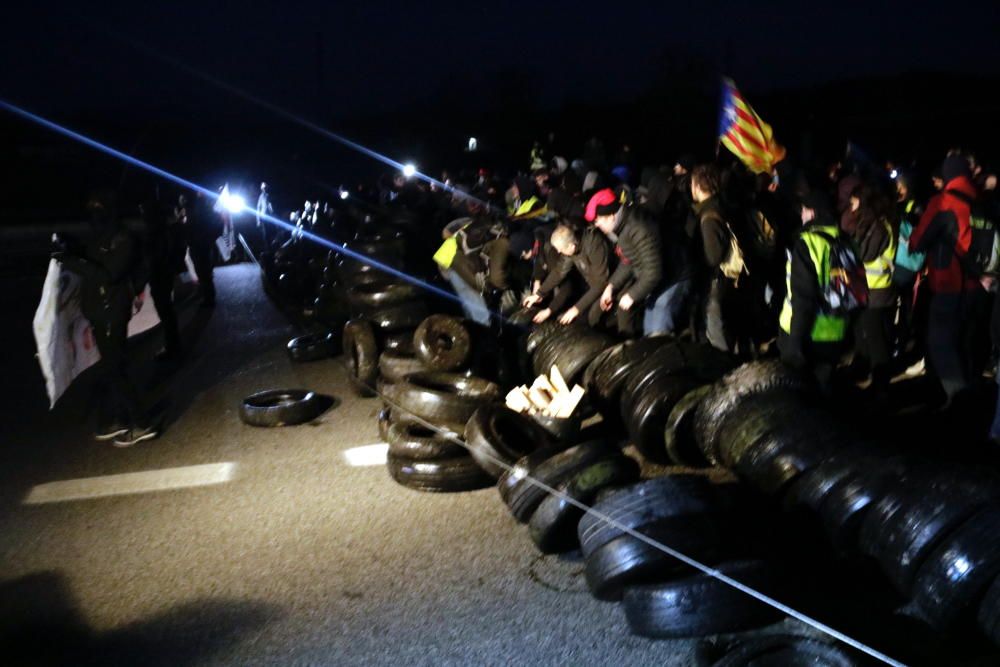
(385, 57)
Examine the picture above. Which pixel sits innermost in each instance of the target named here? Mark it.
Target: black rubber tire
(394, 367)
(700, 361)
(648, 417)
(785, 651)
(361, 354)
(645, 503)
(744, 383)
(282, 407)
(313, 347)
(988, 614)
(844, 508)
(497, 437)
(442, 475)
(810, 490)
(374, 296)
(597, 366)
(619, 362)
(560, 429)
(400, 342)
(516, 474)
(398, 317)
(525, 496)
(678, 435)
(957, 573)
(628, 560)
(785, 453)
(384, 420)
(442, 342)
(572, 360)
(540, 333)
(750, 421)
(553, 525)
(442, 398)
(904, 528)
(700, 605)
(420, 444)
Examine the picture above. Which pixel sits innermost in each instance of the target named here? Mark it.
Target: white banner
(64, 338)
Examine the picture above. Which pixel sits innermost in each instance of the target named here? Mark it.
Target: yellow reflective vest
(826, 328)
(879, 271)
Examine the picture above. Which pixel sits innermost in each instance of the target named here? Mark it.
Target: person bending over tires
(587, 252)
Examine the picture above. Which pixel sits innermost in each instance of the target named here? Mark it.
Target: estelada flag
(744, 133)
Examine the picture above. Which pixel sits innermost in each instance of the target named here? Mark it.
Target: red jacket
(944, 234)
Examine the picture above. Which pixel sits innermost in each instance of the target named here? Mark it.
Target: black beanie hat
(954, 166)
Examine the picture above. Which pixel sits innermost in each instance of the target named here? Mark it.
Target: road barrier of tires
(674, 550)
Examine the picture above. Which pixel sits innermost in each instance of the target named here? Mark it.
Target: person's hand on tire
(569, 315)
(607, 298)
(626, 302)
(542, 316)
(481, 282)
(531, 300)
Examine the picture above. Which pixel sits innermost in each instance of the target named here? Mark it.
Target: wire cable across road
(656, 544)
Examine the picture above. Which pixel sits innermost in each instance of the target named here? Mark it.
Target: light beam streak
(343, 250)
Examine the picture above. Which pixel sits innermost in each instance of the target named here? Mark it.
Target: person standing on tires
(587, 252)
(640, 262)
(106, 266)
(721, 313)
(809, 338)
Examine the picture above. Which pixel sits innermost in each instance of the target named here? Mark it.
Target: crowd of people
(867, 267)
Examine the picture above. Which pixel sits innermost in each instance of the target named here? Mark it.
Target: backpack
(734, 265)
(847, 289)
(981, 258)
(764, 239)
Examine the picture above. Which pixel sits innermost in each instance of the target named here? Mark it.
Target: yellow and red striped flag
(744, 133)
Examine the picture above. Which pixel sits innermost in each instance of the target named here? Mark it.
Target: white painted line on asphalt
(132, 482)
(367, 455)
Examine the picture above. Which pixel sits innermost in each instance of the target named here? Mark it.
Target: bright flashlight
(344, 194)
(893, 174)
(232, 203)
(409, 170)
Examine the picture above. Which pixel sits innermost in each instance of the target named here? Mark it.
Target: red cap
(603, 202)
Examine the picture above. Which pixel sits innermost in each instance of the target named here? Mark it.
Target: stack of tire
(429, 410)
(934, 530)
(384, 311)
(648, 386)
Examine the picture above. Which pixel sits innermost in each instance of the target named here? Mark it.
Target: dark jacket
(805, 295)
(639, 254)
(590, 260)
(105, 267)
(872, 238)
(714, 233)
(944, 234)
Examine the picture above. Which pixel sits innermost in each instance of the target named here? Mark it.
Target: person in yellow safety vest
(809, 338)
(525, 203)
(875, 240)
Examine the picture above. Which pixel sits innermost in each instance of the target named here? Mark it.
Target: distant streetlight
(409, 170)
(473, 144)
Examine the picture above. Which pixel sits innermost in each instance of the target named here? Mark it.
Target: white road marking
(367, 455)
(132, 482)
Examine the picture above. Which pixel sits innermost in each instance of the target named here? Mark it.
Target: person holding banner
(107, 264)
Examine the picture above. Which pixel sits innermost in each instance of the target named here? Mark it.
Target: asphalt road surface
(277, 550)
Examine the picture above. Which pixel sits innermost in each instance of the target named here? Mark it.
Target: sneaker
(915, 370)
(110, 431)
(136, 434)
